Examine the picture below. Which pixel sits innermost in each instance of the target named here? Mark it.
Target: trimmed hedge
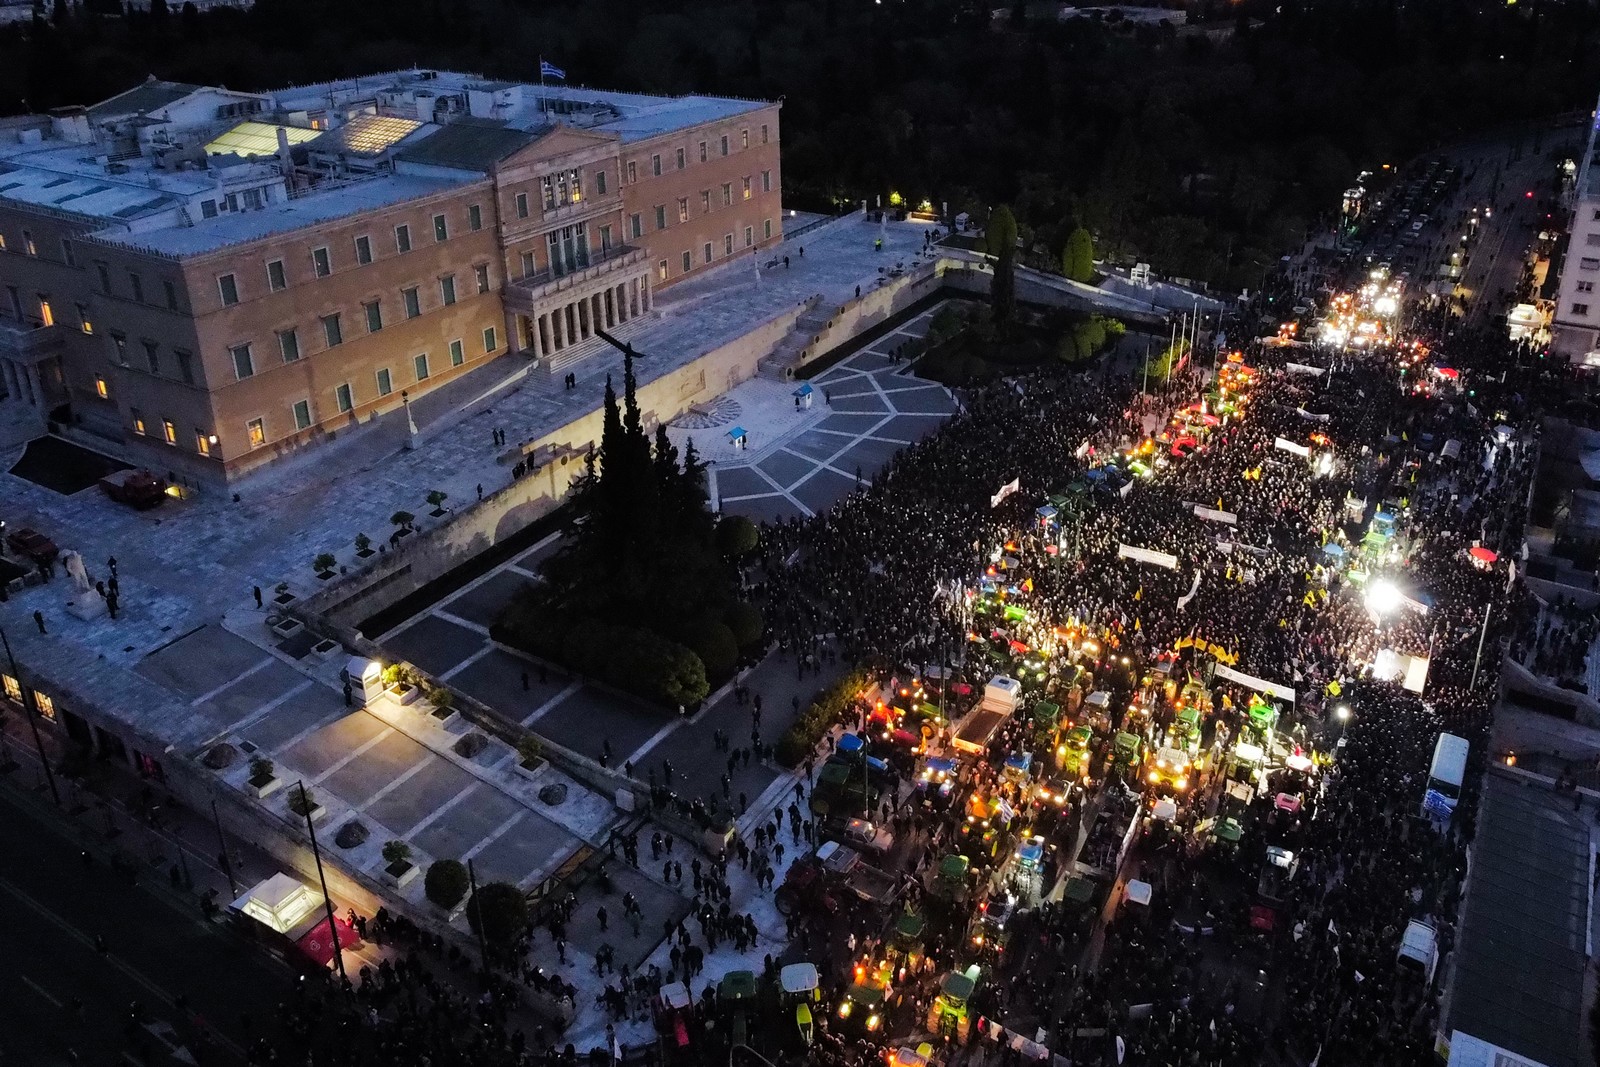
(826, 710)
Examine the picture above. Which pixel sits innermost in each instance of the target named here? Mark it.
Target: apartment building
(213, 279)
(1575, 326)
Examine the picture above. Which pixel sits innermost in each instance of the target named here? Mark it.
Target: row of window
(559, 189)
(636, 220)
(42, 701)
(344, 400)
(681, 155)
(322, 257)
(708, 251)
(333, 325)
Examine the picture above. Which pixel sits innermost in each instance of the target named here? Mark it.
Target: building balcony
(563, 214)
(529, 294)
(29, 342)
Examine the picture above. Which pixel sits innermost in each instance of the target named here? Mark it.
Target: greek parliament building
(213, 279)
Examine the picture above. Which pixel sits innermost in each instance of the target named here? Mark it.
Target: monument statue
(73, 562)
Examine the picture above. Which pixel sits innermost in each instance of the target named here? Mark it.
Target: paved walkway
(800, 460)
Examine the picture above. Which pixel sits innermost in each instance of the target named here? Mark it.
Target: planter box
(287, 627)
(283, 598)
(265, 787)
(451, 914)
(324, 575)
(317, 812)
(443, 715)
(403, 694)
(526, 770)
(365, 552)
(327, 649)
(401, 874)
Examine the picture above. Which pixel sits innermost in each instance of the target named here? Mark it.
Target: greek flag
(550, 70)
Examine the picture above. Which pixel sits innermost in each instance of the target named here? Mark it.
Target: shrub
(403, 518)
(737, 536)
(744, 621)
(821, 715)
(396, 852)
(437, 497)
(530, 749)
(441, 697)
(446, 882)
(657, 669)
(499, 912)
(261, 767)
(714, 643)
(324, 563)
(301, 800)
(363, 543)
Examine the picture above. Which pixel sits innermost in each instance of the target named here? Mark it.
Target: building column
(583, 319)
(619, 294)
(597, 314)
(13, 386)
(544, 335)
(633, 298)
(609, 296)
(35, 389)
(570, 314)
(558, 335)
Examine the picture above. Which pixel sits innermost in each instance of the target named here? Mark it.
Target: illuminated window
(169, 432)
(661, 270)
(13, 689)
(138, 421)
(101, 389)
(2, 242)
(744, 138)
(202, 442)
(747, 188)
(47, 315)
(83, 319)
(683, 209)
(257, 431)
(46, 706)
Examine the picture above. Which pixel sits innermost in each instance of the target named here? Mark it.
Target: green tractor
(950, 1016)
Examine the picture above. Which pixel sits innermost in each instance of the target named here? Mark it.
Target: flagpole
(541, 85)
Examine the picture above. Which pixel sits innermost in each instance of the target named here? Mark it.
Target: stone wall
(556, 459)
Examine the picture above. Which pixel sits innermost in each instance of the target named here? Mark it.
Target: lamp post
(411, 423)
(333, 925)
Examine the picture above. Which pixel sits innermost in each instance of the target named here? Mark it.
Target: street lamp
(1383, 598)
(1342, 713)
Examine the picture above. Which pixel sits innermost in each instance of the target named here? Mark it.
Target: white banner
(1304, 414)
(1127, 487)
(1183, 601)
(1005, 490)
(1260, 685)
(1301, 368)
(1083, 449)
(1147, 555)
(1290, 446)
(1216, 516)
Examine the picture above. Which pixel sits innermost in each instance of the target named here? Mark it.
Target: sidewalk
(180, 854)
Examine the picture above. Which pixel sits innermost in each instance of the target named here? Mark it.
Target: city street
(210, 986)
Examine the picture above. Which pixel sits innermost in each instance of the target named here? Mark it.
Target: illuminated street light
(1342, 712)
(1383, 598)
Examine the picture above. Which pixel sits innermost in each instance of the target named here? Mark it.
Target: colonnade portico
(22, 382)
(549, 324)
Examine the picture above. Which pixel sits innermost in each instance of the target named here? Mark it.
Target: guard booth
(285, 915)
(738, 438)
(802, 397)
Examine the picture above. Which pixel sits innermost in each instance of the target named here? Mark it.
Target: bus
(1444, 777)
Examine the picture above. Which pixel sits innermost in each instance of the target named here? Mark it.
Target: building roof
(249, 139)
(141, 99)
(1523, 943)
(367, 136)
(87, 195)
(470, 144)
(362, 195)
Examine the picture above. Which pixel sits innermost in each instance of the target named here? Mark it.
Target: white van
(1419, 951)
